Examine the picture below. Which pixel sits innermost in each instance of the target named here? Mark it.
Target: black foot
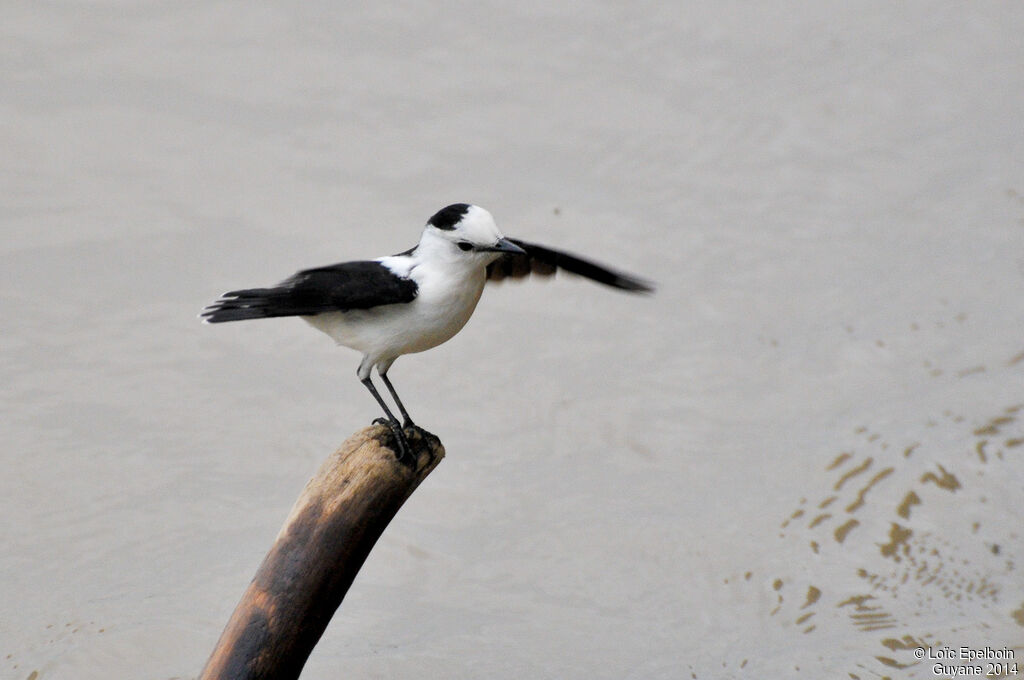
(401, 441)
(407, 425)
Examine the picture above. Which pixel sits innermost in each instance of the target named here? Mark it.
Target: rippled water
(802, 457)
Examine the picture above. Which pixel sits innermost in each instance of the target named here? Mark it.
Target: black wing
(338, 287)
(544, 261)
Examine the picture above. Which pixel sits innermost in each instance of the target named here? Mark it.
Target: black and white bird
(412, 301)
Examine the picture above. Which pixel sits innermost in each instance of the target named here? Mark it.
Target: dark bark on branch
(335, 522)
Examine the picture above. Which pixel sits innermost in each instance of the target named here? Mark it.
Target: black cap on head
(447, 218)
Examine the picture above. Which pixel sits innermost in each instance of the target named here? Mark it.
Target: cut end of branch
(425, 448)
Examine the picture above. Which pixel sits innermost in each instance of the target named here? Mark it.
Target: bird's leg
(391, 388)
(392, 422)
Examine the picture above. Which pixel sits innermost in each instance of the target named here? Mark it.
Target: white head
(467, 233)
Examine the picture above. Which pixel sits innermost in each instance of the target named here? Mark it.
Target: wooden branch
(335, 522)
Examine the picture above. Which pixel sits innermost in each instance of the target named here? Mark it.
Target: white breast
(444, 302)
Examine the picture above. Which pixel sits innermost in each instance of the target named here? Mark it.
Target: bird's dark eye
(465, 245)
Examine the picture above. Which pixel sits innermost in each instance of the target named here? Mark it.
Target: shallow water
(803, 454)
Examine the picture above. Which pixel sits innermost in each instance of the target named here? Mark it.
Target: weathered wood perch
(335, 522)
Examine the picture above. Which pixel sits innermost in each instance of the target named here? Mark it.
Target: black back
(338, 287)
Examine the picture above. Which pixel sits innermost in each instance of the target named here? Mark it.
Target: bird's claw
(401, 441)
(404, 449)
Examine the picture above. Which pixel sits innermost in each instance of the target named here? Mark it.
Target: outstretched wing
(544, 261)
(337, 287)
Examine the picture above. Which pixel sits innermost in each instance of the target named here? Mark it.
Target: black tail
(254, 303)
